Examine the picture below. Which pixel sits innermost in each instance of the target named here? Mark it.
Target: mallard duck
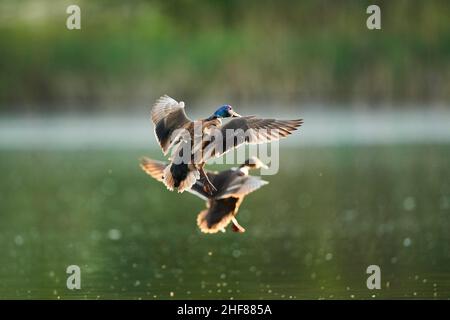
(231, 188)
(173, 129)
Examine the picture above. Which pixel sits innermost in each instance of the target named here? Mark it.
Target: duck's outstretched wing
(167, 116)
(223, 208)
(156, 170)
(250, 130)
(241, 186)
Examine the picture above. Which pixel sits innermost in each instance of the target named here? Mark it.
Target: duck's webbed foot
(236, 227)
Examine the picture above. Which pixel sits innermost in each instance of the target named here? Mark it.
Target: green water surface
(311, 232)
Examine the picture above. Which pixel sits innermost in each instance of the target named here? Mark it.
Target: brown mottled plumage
(168, 116)
(223, 204)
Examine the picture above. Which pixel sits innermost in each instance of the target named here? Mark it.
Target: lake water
(312, 232)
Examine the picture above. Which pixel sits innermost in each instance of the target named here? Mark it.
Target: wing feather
(154, 168)
(250, 130)
(167, 116)
(242, 186)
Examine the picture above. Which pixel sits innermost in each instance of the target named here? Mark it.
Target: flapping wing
(168, 115)
(250, 130)
(153, 168)
(242, 186)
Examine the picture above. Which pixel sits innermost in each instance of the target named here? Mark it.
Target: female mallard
(194, 142)
(223, 204)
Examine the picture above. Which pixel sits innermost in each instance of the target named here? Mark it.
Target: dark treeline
(284, 52)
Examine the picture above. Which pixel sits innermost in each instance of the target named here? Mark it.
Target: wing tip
(153, 168)
(144, 161)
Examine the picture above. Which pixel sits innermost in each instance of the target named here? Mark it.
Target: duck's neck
(244, 169)
(212, 117)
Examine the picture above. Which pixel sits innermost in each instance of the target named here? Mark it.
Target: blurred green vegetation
(249, 51)
(311, 232)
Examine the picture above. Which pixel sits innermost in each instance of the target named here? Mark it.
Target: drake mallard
(223, 204)
(173, 129)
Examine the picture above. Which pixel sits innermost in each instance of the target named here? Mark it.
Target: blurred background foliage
(283, 52)
(365, 180)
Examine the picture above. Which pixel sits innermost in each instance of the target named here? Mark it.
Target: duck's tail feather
(218, 215)
(187, 183)
(180, 176)
(206, 227)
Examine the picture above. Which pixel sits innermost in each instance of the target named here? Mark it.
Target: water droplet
(114, 234)
(18, 240)
(406, 242)
(445, 203)
(409, 204)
